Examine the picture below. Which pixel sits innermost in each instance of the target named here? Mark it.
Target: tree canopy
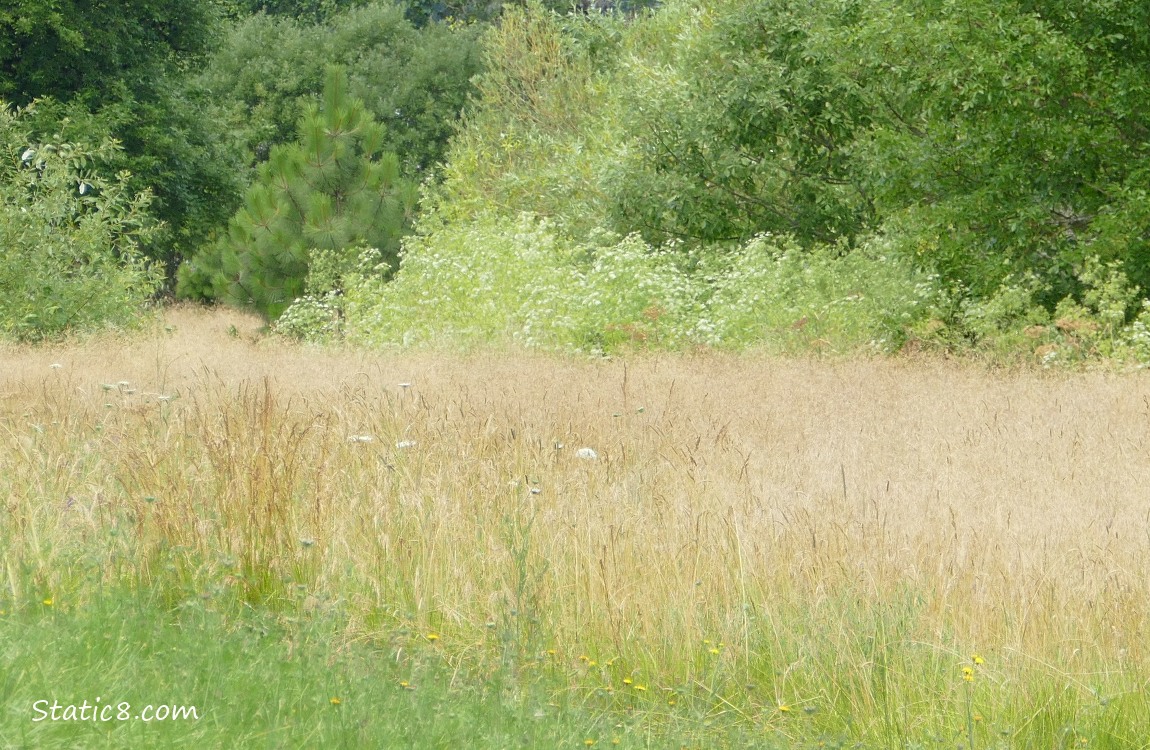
(994, 154)
(117, 70)
(67, 49)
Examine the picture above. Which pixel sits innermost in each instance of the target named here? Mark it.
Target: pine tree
(335, 189)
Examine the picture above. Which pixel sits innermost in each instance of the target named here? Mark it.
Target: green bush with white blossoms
(778, 295)
(317, 315)
(522, 282)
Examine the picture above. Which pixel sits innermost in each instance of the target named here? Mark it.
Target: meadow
(327, 547)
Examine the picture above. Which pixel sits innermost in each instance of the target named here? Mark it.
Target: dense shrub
(524, 281)
(310, 9)
(740, 124)
(836, 174)
(541, 129)
(777, 294)
(492, 281)
(69, 237)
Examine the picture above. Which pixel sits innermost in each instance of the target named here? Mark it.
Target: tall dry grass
(774, 533)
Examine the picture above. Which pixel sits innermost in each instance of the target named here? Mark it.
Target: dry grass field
(887, 551)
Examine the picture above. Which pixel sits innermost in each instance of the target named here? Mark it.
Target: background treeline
(838, 174)
(196, 93)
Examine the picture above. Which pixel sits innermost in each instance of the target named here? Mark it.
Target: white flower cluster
(498, 280)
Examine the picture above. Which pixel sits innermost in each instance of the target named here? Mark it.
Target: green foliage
(773, 293)
(317, 316)
(541, 131)
(1097, 326)
(491, 11)
(993, 132)
(334, 189)
(69, 238)
(985, 161)
(993, 143)
(524, 281)
(521, 281)
(309, 9)
(1103, 324)
(984, 142)
(1003, 324)
(167, 143)
(487, 275)
(67, 49)
(741, 124)
(120, 72)
(415, 81)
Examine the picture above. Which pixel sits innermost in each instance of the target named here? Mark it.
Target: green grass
(257, 680)
(261, 679)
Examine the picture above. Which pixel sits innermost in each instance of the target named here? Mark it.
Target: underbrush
(526, 283)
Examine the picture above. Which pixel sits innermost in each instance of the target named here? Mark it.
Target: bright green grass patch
(249, 678)
(261, 681)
